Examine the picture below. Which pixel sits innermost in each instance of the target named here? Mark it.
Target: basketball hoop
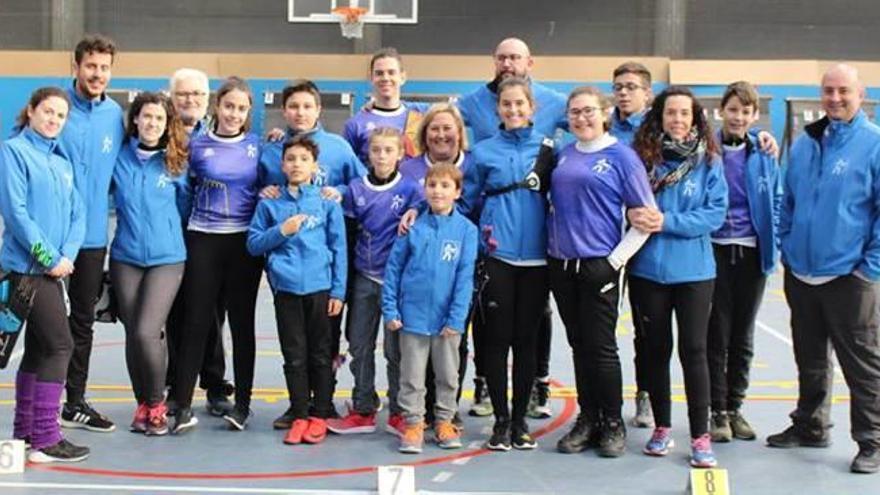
(350, 21)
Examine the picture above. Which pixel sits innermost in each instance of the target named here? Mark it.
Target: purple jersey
(225, 182)
(416, 168)
(588, 192)
(377, 210)
(738, 223)
(406, 119)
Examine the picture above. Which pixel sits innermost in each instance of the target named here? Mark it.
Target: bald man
(830, 238)
(511, 57)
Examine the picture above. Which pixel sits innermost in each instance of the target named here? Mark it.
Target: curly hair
(648, 142)
(174, 139)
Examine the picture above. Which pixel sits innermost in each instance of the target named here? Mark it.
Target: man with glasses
(632, 94)
(190, 95)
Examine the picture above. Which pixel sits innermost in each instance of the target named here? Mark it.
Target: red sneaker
(297, 430)
(157, 420)
(353, 423)
(141, 414)
(396, 425)
(316, 432)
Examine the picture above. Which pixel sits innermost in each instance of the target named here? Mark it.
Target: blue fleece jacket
(512, 224)
(480, 113)
(148, 201)
(91, 140)
(311, 260)
(429, 277)
(830, 219)
(43, 215)
(692, 209)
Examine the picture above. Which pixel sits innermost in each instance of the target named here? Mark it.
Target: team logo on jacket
(321, 177)
(68, 180)
(312, 221)
(690, 187)
(450, 250)
(601, 166)
(163, 181)
(107, 145)
(763, 183)
(396, 202)
(251, 151)
(840, 167)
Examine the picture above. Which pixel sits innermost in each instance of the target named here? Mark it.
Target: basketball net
(350, 21)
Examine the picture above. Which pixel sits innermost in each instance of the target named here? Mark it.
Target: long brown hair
(229, 85)
(174, 139)
(648, 142)
(34, 101)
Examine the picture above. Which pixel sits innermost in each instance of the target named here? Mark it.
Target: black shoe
(62, 451)
(284, 421)
(520, 437)
(82, 415)
(238, 418)
(612, 440)
(500, 439)
(227, 388)
(584, 435)
(867, 461)
(184, 421)
(795, 436)
(218, 404)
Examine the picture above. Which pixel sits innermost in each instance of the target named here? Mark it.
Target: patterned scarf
(688, 151)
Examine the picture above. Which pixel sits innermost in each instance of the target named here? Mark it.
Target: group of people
(422, 236)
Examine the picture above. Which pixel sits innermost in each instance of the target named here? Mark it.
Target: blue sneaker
(701, 452)
(660, 443)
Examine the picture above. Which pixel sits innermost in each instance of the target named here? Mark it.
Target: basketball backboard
(378, 11)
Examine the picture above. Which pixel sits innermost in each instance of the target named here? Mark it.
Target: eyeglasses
(618, 87)
(183, 95)
(515, 57)
(586, 112)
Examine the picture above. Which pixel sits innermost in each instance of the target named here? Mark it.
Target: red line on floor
(566, 414)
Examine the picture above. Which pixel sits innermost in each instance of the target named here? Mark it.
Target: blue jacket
(625, 129)
(311, 260)
(692, 208)
(429, 277)
(43, 215)
(512, 224)
(148, 210)
(480, 113)
(764, 189)
(91, 140)
(830, 219)
(337, 163)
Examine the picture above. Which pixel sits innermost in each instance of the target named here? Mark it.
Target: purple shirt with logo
(738, 223)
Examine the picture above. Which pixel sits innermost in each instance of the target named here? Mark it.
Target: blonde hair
(422, 136)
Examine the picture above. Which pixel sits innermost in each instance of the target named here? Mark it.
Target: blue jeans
(365, 309)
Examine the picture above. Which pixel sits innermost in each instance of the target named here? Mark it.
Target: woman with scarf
(675, 270)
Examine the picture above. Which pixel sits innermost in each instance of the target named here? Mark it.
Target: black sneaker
(62, 451)
(719, 427)
(584, 435)
(539, 400)
(520, 437)
(184, 421)
(794, 436)
(218, 404)
(238, 418)
(500, 439)
(867, 461)
(612, 440)
(285, 421)
(82, 415)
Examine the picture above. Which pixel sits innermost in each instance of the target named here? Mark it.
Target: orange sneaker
(412, 439)
(297, 430)
(316, 431)
(447, 435)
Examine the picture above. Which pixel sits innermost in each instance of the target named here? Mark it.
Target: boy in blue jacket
(302, 236)
(440, 249)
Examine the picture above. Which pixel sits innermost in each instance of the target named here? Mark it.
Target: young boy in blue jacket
(746, 251)
(302, 236)
(426, 296)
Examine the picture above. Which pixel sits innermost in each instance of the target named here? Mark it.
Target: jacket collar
(313, 132)
(82, 103)
(517, 135)
(827, 127)
(634, 121)
(42, 143)
(305, 191)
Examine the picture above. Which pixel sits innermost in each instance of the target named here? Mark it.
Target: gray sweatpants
(145, 296)
(414, 352)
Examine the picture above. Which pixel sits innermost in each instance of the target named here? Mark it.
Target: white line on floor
(461, 461)
(204, 489)
(476, 444)
(442, 476)
(784, 338)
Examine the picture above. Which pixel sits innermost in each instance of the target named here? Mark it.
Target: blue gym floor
(212, 459)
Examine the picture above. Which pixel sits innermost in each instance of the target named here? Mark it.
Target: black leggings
(218, 264)
(48, 343)
(514, 302)
(653, 305)
(84, 288)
